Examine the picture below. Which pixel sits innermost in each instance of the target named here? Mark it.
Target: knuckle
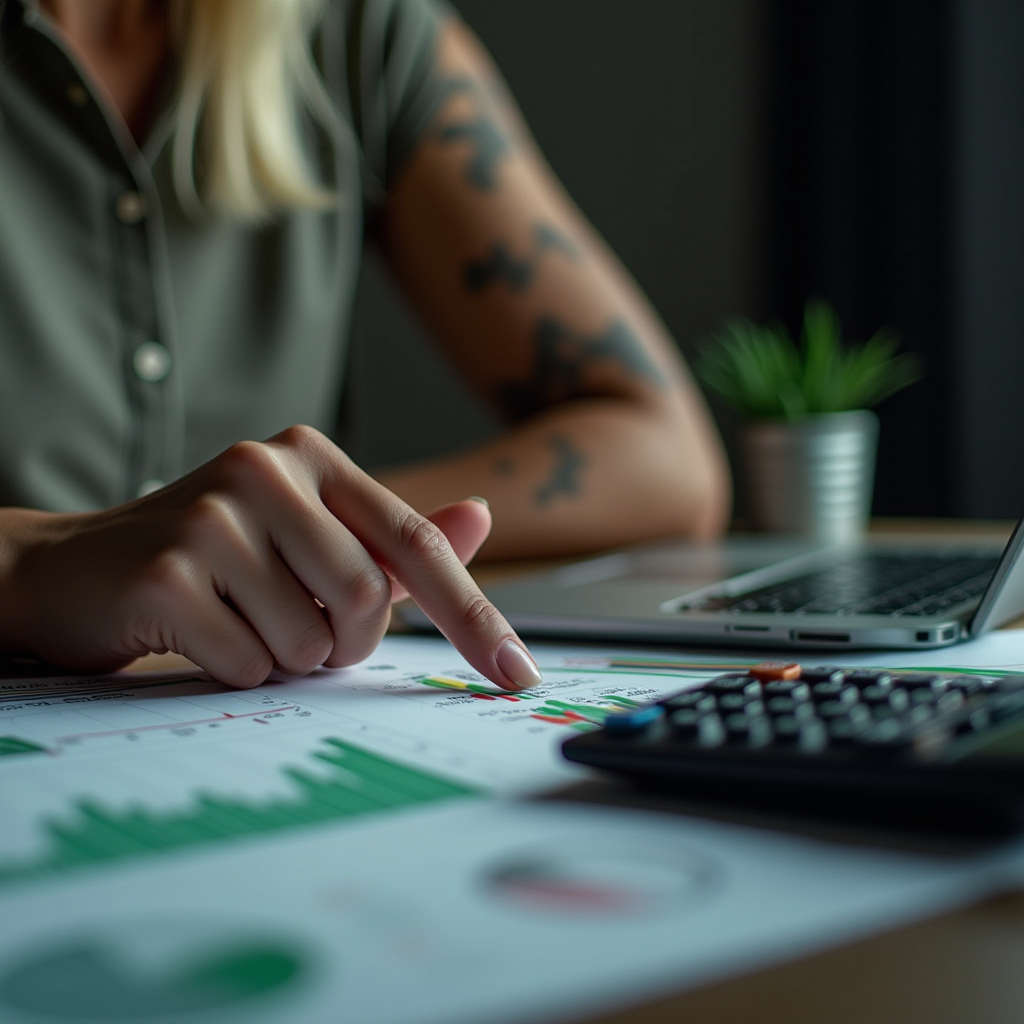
(166, 581)
(253, 670)
(356, 645)
(369, 592)
(248, 462)
(310, 647)
(479, 614)
(303, 438)
(421, 539)
(211, 522)
(210, 518)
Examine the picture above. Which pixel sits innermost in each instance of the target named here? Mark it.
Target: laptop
(882, 592)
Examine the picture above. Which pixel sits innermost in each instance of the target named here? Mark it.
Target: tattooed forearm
(501, 265)
(479, 129)
(565, 479)
(563, 359)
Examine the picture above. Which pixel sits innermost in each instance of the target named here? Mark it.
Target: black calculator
(917, 748)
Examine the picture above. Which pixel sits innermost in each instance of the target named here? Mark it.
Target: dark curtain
(858, 134)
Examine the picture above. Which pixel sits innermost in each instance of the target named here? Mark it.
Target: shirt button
(151, 362)
(148, 487)
(77, 94)
(130, 207)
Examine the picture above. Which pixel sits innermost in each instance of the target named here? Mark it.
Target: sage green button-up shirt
(136, 344)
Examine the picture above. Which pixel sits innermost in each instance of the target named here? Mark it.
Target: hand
(282, 553)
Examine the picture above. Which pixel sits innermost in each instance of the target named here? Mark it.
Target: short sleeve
(391, 80)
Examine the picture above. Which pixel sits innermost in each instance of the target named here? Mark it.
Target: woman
(186, 187)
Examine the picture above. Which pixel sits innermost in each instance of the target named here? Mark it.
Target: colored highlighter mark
(472, 689)
(582, 717)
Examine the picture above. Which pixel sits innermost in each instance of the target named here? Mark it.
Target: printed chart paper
(360, 845)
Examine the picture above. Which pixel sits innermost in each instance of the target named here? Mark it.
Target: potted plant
(809, 438)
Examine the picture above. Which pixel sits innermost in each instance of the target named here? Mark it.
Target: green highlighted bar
(13, 745)
(356, 783)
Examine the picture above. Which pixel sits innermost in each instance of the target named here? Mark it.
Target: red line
(173, 725)
(483, 696)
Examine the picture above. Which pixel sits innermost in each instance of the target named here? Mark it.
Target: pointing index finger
(417, 554)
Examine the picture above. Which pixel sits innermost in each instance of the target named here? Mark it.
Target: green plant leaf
(761, 373)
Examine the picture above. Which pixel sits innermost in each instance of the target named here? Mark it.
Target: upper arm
(506, 272)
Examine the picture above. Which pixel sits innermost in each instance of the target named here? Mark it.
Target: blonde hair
(247, 76)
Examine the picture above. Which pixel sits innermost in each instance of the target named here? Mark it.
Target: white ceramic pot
(814, 476)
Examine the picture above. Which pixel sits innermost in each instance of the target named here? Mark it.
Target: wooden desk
(965, 967)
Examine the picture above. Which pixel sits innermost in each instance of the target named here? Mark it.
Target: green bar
(14, 745)
(360, 783)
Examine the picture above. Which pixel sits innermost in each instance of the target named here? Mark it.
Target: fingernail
(483, 501)
(518, 666)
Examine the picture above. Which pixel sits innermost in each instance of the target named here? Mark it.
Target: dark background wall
(741, 155)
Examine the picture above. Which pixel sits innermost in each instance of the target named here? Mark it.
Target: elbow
(704, 489)
(712, 509)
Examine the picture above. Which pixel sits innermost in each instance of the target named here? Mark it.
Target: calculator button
(634, 723)
(813, 737)
(755, 729)
(899, 699)
(711, 731)
(787, 706)
(787, 728)
(915, 681)
(951, 700)
(1007, 684)
(735, 702)
(829, 691)
(737, 724)
(822, 674)
(923, 697)
(773, 670)
(876, 694)
(734, 684)
(974, 721)
(760, 733)
(835, 708)
(920, 715)
(1003, 707)
(888, 734)
(964, 683)
(883, 712)
(865, 678)
(841, 730)
(787, 688)
(692, 699)
(685, 721)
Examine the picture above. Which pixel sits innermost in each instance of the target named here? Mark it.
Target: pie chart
(151, 970)
(604, 878)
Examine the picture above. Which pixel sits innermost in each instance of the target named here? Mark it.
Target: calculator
(940, 749)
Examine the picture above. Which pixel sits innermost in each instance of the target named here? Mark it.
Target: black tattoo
(490, 145)
(566, 477)
(563, 359)
(504, 465)
(500, 264)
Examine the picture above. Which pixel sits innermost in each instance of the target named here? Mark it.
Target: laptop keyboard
(868, 585)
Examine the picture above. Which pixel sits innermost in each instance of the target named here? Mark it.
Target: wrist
(23, 533)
